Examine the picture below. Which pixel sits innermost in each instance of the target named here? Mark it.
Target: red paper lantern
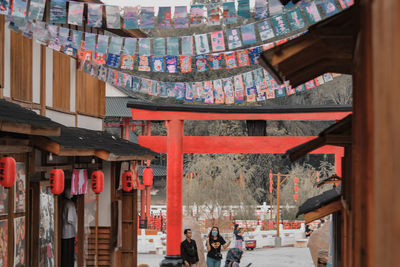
(148, 177)
(270, 174)
(295, 197)
(97, 181)
(296, 180)
(140, 187)
(8, 171)
(270, 189)
(127, 181)
(56, 181)
(296, 189)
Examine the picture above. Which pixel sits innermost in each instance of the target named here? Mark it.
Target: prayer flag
(114, 52)
(234, 40)
(163, 91)
(254, 53)
(228, 90)
(219, 96)
(189, 94)
(260, 9)
(208, 93)
(275, 7)
(75, 13)
(186, 64)
(181, 17)
(229, 13)
(243, 58)
(265, 30)
(230, 60)
(312, 13)
(201, 63)
(296, 19)
(346, 3)
(217, 41)
(216, 61)
(202, 44)
(147, 18)
(198, 93)
(196, 15)
(36, 9)
(158, 64)
(101, 49)
(95, 15)
(249, 86)
(179, 89)
(58, 11)
(164, 17)
(172, 64)
(248, 34)
(4, 6)
(329, 7)
(280, 25)
(244, 9)
(213, 11)
(128, 54)
(144, 47)
(173, 46)
(131, 17)
(113, 17)
(18, 8)
(187, 45)
(239, 88)
(159, 46)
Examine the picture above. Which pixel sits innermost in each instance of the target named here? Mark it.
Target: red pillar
(142, 204)
(338, 164)
(126, 128)
(148, 200)
(174, 186)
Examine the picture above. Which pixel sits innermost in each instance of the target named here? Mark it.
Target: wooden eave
(23, 128)
(105, 155)
(323, 211)
(14, 145)
(327, 47)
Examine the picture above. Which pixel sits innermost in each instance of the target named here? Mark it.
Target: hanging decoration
(97, 178)
(8, 171)
(127, 181)
(56, 181)
(148, 177)
(296, 188)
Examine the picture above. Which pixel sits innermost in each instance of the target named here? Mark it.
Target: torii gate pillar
(174, 193)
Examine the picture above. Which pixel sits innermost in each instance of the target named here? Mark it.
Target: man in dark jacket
(189, 250)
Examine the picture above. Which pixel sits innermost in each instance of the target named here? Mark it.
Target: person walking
(189, 250)
(238, 232)
(214, 244)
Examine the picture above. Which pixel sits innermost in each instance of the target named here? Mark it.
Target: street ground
(268, 257)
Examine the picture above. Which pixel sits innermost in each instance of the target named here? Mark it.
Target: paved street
(271, 257)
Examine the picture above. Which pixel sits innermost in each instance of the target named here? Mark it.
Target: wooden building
(49, 83)
(363, 41)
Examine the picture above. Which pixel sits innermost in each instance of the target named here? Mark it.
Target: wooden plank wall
(90, 95)
(61, 81)
(21, 67)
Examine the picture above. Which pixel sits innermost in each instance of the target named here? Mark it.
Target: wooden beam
(342, 140)
(236, 144)
(49, 168)
(141, 114)
(15, 149)
(323, 211)
(14, 127)
(45, 144)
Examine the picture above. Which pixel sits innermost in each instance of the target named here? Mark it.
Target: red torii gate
(175, 144)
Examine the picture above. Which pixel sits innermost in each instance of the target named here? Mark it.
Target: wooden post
(97, 230)
(126, 128)
(278, 199)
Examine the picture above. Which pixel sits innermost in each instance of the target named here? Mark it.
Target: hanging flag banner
(144, 47)
(261, 85)
(319, 80)
(144, 63)
(90, 41)
(228, 90)
(201, 63)
(180, 90)
(254, 53)
(187, 45)
(309, 85)
(243, 58)
(173, 46)
(18, 8)
(145, 86)
(128, 54)
(198, 93)
(249, 87)
(329, 7)
(76, 39)
(131, 17)
(328, 77)
(135, 84)
(147, 18)
(186, 64)
(114, 52)
(280, 91)
(154, 91)
(229, 13)
(219, 96)
(234, 40)
(296, 19)
(202, 44)
(346, 3)
(275, 7)
(163, 89)
(95, 15)
(113, 17)
(75, 13)
(171, 64)
(41, 34)
(158, 64)
(312, 13)
(58, 10)
(102, 74)
(280, 25)
(208, 92)
(159, 46)
(239, 88)
(180, 17)
(216, 61)
(217, 41)
(260, 9)
(230, 60)
(36, 9)
(101, 49)
(244, 9)
(271, 94)
(164, 17)
(213, 17)
(196, 15)
(300, 88)
(189, 93)
(248, 34)
(265, 30)
(63, 35)
(4, 7)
